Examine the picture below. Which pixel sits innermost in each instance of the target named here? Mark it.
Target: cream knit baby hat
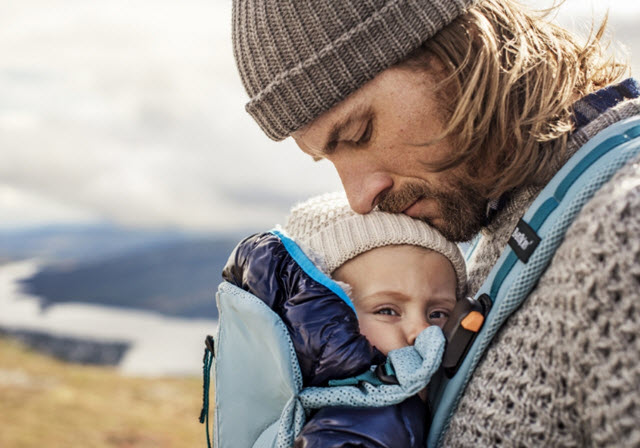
(331, 233)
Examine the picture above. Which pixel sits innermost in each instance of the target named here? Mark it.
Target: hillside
(49, 403)
(175, 279)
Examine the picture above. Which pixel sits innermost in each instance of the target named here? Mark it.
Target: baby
(401, 276)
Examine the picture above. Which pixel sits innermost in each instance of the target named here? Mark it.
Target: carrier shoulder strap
(531, 247)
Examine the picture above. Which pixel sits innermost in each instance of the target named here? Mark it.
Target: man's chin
(458, 213)
(438, 223)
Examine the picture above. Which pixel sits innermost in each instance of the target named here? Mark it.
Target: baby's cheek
(375, 333)
(367, 329)
(384, 336)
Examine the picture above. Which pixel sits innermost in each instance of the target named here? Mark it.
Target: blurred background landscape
(129, 170)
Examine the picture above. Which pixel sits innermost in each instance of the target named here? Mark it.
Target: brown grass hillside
(48, 403)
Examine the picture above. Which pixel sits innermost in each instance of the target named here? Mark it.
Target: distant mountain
(175, 278)
(80, 242)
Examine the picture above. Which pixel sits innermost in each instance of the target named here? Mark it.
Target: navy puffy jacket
(325, 334)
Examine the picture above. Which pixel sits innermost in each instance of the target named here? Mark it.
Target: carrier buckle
(386, 374)
(461, 329)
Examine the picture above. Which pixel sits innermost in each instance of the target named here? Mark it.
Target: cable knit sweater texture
(565, 369)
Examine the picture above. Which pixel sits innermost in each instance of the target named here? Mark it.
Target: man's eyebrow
(338, 128)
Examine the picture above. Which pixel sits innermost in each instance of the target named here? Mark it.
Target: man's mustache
(398, 201)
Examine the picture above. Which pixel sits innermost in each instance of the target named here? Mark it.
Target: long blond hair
(513, 77)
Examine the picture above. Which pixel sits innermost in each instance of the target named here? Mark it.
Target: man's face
(380, 139)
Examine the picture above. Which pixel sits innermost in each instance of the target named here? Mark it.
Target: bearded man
(459, 112)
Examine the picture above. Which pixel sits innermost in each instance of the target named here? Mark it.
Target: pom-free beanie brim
(331, 233)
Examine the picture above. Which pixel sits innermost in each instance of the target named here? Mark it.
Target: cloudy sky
(131, 111)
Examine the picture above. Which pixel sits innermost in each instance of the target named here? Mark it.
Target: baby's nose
(415, 328)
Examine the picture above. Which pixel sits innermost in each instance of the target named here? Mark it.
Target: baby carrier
(262, 364)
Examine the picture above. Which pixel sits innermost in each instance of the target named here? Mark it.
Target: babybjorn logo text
(524, 241)
(521, 239)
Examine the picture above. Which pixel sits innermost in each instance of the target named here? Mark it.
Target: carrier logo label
(523, 241)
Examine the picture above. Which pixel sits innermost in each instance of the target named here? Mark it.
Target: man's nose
(363, 183)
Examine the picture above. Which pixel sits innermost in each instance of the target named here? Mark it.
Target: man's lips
(412, 209)
(420, 209)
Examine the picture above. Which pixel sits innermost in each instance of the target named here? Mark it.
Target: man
(459, 112)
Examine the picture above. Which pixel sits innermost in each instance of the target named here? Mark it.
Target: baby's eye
(438, 317)
(387, 312)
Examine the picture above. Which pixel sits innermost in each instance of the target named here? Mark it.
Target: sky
(132, 112)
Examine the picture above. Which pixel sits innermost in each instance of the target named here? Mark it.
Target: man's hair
(510, 79)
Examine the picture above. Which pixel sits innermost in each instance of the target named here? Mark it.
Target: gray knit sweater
(565, 368)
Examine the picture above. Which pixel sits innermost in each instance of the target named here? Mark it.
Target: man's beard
(462, 208)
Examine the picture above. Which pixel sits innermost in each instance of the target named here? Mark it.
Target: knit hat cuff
(300, 94)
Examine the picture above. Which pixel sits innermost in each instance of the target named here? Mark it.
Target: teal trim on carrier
(531, 248)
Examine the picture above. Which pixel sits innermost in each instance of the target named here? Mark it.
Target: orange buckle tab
(473, 321)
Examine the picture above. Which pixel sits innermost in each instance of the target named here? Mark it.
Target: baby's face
(398, 291)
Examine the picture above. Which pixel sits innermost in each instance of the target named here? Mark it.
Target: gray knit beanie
(299, 58)
(330, 233)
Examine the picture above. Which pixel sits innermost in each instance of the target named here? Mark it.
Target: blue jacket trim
(311, 269)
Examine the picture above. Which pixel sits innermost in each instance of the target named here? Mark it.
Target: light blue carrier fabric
(510, 281)
(256, 372)
(259, 398)
(413, 366)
